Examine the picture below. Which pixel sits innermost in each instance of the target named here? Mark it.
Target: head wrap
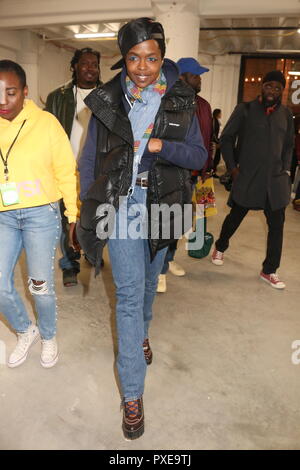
(274, 76)
(136, 31)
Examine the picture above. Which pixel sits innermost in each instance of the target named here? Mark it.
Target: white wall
(54, 69)
(105, 64)
(7, 54)
(46, 65)
(220, 84)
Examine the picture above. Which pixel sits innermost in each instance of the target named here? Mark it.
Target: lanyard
(8, 152)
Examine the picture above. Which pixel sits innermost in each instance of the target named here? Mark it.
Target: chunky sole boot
(133, 419)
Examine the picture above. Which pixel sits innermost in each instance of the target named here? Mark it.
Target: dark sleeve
(50, 103)
(229, 135)
(287, 151)
(190, 154)
(209, 162)
(297, 147)
(86, 163)
(216, 129)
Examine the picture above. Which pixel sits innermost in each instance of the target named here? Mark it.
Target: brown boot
(147, 352)
(133, 419)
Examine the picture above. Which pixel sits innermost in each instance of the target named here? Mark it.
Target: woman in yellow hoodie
(37, 169)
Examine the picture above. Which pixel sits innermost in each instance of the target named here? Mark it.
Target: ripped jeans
(37, 230)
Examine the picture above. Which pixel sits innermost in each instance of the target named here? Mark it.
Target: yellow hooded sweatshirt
(41, 161)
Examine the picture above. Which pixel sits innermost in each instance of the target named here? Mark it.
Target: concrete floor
(222, 375)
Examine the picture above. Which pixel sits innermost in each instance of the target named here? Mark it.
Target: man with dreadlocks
(67, 104)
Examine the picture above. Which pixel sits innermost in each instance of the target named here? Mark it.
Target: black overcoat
(262, 145)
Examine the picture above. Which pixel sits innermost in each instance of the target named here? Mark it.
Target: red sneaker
(273, 280)
(217, 257)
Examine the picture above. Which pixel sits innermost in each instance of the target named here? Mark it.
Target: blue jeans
(136, 278)
(169, 257)
(37, 230)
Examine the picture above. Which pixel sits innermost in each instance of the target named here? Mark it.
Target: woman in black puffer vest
(142, 142)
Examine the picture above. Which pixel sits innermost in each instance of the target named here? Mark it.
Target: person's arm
(287, 151)
(229, 136)
(190, 154)
(209, 162)
(64, 168)
(50, 103)
(86, 163)
(297, 147)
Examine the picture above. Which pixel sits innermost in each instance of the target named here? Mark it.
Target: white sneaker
(176, 269)
(217, 257)
(162, 283)
(49, 356)
(25, 341)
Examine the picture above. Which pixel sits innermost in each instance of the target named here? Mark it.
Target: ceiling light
(298, 30)
(294, 73)
(94, 35)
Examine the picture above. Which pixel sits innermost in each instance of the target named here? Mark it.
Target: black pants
(70, 257)
(297, 196)
(217, 159)
(275, 221)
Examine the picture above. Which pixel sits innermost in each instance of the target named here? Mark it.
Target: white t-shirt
(81, 120)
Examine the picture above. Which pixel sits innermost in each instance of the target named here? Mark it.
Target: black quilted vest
(168, 183)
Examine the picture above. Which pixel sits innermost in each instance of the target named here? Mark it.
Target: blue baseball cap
(189, 64)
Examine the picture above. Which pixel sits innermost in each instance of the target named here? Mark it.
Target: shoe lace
(131, 408)
(23, 340)
(274, 277)
(218, 255)
(48, 346)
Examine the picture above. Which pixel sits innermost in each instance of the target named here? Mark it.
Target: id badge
(9, 194)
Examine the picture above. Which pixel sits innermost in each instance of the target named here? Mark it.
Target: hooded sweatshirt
(41, 161)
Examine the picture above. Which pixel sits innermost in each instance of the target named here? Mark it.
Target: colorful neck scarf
(145, 104)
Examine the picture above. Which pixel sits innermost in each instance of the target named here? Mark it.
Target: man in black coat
(257, 144)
